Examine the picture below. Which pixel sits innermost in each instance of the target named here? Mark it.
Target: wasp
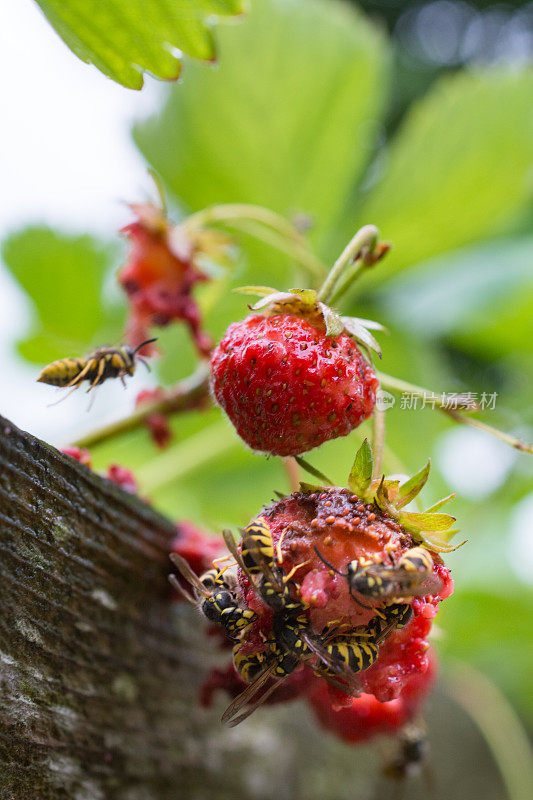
(293, 643)
(249, 666)
(257, 558)
(214, 594)
(412, 576)
(96, 367)
(412, 755)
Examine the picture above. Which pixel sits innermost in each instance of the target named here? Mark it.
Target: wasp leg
(80, 377)
(99, 375)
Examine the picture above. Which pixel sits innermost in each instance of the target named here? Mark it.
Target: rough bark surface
(98, 674)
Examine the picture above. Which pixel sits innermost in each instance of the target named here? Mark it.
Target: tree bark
(99, 672)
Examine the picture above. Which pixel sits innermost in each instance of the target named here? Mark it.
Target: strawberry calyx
(305, 303)
(430, 528)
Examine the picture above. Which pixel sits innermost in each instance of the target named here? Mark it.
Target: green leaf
(287, 121)
(422, 521)
(488, 286)
(125, 38)
(64, 274)
(361, 472)
(458, 170)
(412, 487)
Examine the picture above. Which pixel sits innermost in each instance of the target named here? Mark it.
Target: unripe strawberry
(287, 386)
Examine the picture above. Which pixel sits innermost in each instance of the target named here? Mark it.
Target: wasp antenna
(142, 344)
(176, 585)
(359, 603)
(321, 557)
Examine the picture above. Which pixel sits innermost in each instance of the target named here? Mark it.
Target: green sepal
(279, 495)
(307, 296)
(354, 328)
(385, 496)
(270, 299)
(438, 545)
(310, 487)
(422, 521)
(257, 291)
(409, 490)
(334, 324)
(439, 504)
(361, 472)
(313, 471)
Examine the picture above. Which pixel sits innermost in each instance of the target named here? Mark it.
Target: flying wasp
(412, 576)
(214, 595)
(96, 367)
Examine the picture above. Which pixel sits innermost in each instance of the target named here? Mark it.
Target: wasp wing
(338, 669)
(231, 544)
(231, 715)
(186, 572)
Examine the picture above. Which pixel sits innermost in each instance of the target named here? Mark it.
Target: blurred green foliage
(293, 119)
(125, 38)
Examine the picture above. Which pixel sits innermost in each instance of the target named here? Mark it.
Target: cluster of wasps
(336, 654)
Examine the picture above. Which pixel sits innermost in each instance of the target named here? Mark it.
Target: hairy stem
(184, 396)
(366, 237)
(450, 407)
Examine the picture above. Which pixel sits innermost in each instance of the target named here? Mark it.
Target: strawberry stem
(378, 440)
(243, 216)
(292, 469)
(362, 244)
(451, 406)
(190, 393)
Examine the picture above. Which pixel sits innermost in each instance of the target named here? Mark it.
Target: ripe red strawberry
(343, 527)
(363, 717)
(288, 386)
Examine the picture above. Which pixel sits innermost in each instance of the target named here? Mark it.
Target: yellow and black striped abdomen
(62, 372)
(248, 666)
(257, 547)
(354, 652)
(418, 559)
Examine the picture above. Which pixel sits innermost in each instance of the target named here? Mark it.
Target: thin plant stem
(499, 725)
(359, 266)
(378, 440)
(185, 457)
(296, 250)
(190, 393)
(366, 237)
(441, 402)
(293, 473)
(234, 214)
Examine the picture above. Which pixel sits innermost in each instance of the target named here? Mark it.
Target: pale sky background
(67, 159)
